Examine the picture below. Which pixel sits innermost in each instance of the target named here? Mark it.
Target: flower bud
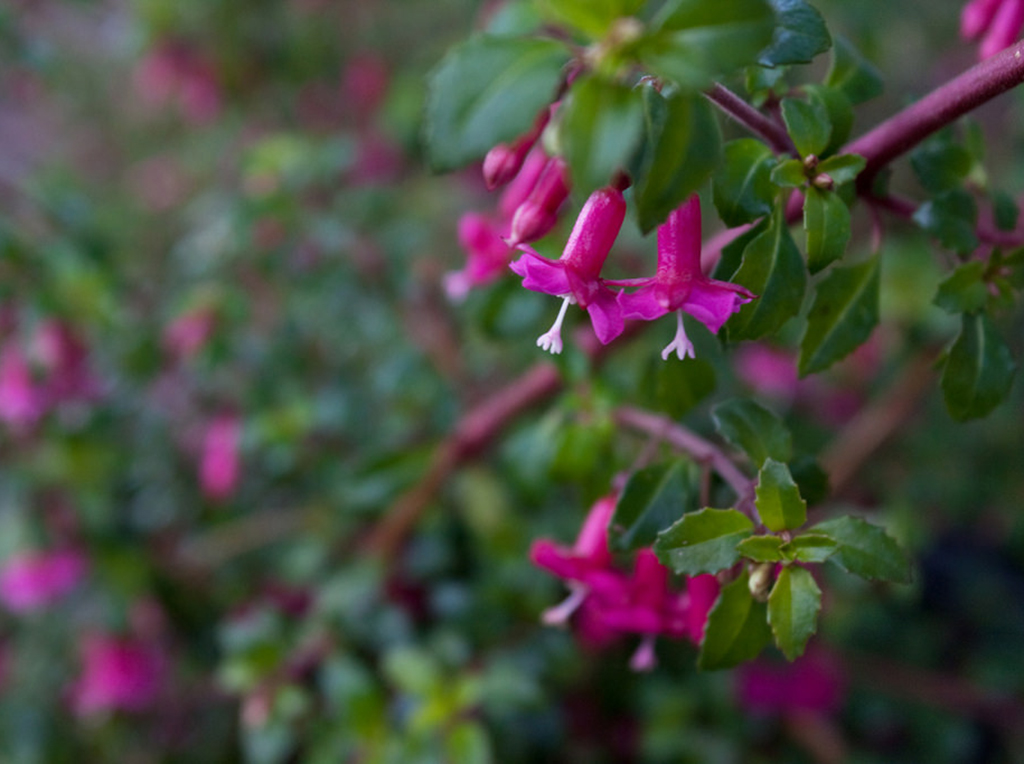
(760, 580)
(538, 214)
(504, 161)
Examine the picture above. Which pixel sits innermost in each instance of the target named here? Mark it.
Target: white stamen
(644, 658)
(552, 340)
(559, 614)
(680, 343)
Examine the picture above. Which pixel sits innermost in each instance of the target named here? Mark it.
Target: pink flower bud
(1006, 27)
(593, 235)
(538, 214)
(31, 581)
(504, 161)
(219, 465)
(118, 674)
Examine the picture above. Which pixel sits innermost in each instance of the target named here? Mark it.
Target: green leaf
(753, 429)
(951, 218)
(844, 313)
(827, 224)
(675, 388)
(843, 168)
(808, 125)
(964, 290)
(793, 609)
(865, 549)
(859, 79)
(652, 500)
(811, 478)
(778, 498)
(979, 369)
(773, 269)
(737, 628)
(800, 34)
(682, 147)
(592, 17)
(840, 113)
(762, 548)
(743, 189)
(601, 126)
(732, 253)
(811, 547)
(941, 165)
(704, 541)
(695, 41)
(789, 173)
(467, 743)
(488, 90)
(1004, 210)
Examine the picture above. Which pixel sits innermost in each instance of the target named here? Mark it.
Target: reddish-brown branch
(905, 208)
(756, 122)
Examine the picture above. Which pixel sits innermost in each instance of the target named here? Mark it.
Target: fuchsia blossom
(576, 276)
(538, 213)
(814, 683)
(504, 161)
(220, 464)
(32, 581)
(997, 22)
(118, 674)
(680, 285)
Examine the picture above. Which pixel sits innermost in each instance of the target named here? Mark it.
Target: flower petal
(606, 316)
(540, 274)
(641, 304)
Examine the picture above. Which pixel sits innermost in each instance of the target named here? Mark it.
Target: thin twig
(759, 124)
(905, 208)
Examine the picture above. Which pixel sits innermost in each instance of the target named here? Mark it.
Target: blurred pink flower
(118, 674)
(172, 74)
(997, 22)
(220, 463)
(186, 335)
(364, 84)
(65, 359)
(768, 371)
(812, 683)
(21, 400)
(31, 581)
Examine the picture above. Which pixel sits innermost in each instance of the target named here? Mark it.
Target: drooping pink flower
(997, 22)
(220, 462)
(680, 285)
(537, 214)
(576, 276)
(31, 581)
(118, 674)
(813, 683)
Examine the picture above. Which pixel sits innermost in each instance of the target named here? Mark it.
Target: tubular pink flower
(118, 674)
(537, 215)
(504, 161)
(679, 284)
(1004, 29)
(976, 17)
(576, 275)
(220, 464)
(32, 581)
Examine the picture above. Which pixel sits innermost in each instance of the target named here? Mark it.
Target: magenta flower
(576, 276)
(680, 285)
(997, 22)
(31, 581)
(538, 213)
(504, 161)
(21, 400)
(118, 674)
(65, 359)
(220, 464)
(814, 683)
(186, 335)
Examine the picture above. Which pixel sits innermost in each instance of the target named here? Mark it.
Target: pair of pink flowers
(679, 284)
(608, 602)
(997, 22)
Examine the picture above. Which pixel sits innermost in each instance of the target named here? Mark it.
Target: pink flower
(220, 465)
(680, 285)
(813, 683)
(364, 84)
(538, 213)
(31, 581)
(65, 359)
(767, 370)
(504, 161)
(576, 276)
(21, 401)
(997, 22)
(118, 674)
(188, 333)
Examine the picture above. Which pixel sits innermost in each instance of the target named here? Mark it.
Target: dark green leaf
(675, 388)
(695, 41)
(811, 547)
(951, 218)
(827, 224)
(852, 73)
(704, 541)
(1005, 211)
(865, 550)
(601, 126)
(488, 90)
(732, 253)
(808, 125)
(800, 34)
(737, 628)
(793, 609)
(681, 149)
(844, 313)
(762, 82)
(811, 479)
(979, 369)
(592, 17)
(839, 109)
(778, 499)
(762, 548)
(773, 269)
(789, 173)
(653, 499)
(941, 165)
(743, 189)
(964, 290)
(753, 429)
(842, 168)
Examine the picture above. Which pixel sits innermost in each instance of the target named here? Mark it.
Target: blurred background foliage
(220, 206)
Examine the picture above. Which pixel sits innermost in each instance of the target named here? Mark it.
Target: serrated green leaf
(737, 628)
(800, 34)
(704, 541)
(789, 173)
(844, 313)
(778, 498)
(859, 79)
(951, 218)
(694, 41)
(865, 549)
(773, 269)
(808, 125)
(811, 547)
(601, 126)
(827, 225)
(488, 90)
(592, 17)
(979, 369)
(653, 499)
(964, 290)
(762, 548)
(753, 429)
(840, 113)
(681, 148)
(843, 168)
(675, 388)
(743, 189)
(793, 609)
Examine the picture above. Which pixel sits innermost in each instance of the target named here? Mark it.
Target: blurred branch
(905, 208)
(759, 124)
